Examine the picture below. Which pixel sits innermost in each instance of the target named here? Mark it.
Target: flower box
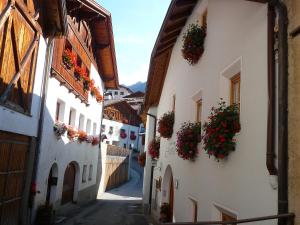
(165, 125)
(154, 147)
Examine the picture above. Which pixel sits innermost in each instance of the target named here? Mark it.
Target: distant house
(117, 93)
(136, 100)
(238, 63)
(122, 126)
(81, 66)
(26, 31)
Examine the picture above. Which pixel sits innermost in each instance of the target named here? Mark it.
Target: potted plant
(123, 134)
(154, 147)
(82, 136)
(132, 136)
(164, 215)
(188, 138)
(220, 129)
(95, 141)
(71, 133)
(193, 43)
(69, 59)
(59, 129)
(165, 125)
(142, 159)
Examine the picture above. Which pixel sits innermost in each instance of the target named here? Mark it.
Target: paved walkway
(120, 206)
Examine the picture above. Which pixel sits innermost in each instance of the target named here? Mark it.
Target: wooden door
(171, 199)
(19, 34)
(14, 150)
(69, 183)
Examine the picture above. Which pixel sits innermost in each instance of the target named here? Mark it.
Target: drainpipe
(46, 74)
(282, 108)
(152, 167)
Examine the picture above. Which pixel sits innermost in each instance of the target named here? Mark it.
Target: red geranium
(165, 125)
(188, 138)
(219, 131)
(154, 147)
(69, 58)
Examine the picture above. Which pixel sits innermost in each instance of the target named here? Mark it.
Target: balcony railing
(286, 219)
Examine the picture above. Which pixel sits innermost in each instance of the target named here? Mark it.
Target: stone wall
(294, 109)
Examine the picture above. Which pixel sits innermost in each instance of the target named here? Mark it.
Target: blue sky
(136, 24)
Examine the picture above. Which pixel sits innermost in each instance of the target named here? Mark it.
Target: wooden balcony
(66, 76)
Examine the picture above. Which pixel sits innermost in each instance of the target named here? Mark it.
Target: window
(116, 93)
(194, 210)
(60, 111)
(198, 110)
(84, 173)
(111, 130)
(174, 103)
(226, 217)
(122, 93)
(88, 126)
(81, 122)
(132, 133)
(235, 82)
(124, 146)
(94, 128)
(91, 172)
(72, 116)
(102, 128)
(204, 19)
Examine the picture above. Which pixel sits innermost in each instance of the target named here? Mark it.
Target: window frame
(199, 105)
(84, 169)
(235, 80)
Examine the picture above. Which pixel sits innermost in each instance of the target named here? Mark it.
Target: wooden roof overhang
(54, 17)
(99, 20)
(175, 19)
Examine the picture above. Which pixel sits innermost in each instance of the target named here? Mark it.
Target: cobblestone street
(120, 206)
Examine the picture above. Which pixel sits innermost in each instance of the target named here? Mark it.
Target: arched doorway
(52, 184)
(168, 191)
(69, 184)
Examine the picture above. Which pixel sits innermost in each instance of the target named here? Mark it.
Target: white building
(236, 43)
(24, 48)
(70, 171)
(122, 126)
(117, 93)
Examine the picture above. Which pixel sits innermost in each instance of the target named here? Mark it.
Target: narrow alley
(119, 206)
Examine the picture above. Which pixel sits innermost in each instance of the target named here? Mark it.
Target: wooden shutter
(19, 34)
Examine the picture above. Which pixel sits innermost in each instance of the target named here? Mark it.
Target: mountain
(139, 86)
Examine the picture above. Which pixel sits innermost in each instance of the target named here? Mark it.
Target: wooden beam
(164, 49)
(180, 15)
(170, 36)
(295, 32)
(181, 3)
(101, 46)
(175, 26)
(162, 45)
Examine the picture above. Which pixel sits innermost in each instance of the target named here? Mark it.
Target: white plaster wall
(117, 126)
(150, 124)
(237, 32)
(15, 122)
(62, 151)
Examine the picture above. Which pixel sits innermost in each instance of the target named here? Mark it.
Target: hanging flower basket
(69, 59)
(133, 137)
(123, 135)
(71, 133)
(165, 125)
(193, 43)
(188, 138)
(82, 136)
(154, 147)
(59, 129)
(165, 213)
(95, 141)
(142, 159)
(219, 131)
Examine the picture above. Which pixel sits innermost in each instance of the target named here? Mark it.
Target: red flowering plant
(193, 43)
(82, 136)
(153, 148)
(142, 159)
(123, 135)
(95, 141)
(188, 138)
(219, 131)
(165, 125)
(132, 136)
(69, 58)
(71, 133)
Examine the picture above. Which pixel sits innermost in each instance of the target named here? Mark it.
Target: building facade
(82, 65)
(26, 30)
(236, 66)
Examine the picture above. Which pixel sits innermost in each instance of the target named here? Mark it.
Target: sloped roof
(137, 94)
(99, 20)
